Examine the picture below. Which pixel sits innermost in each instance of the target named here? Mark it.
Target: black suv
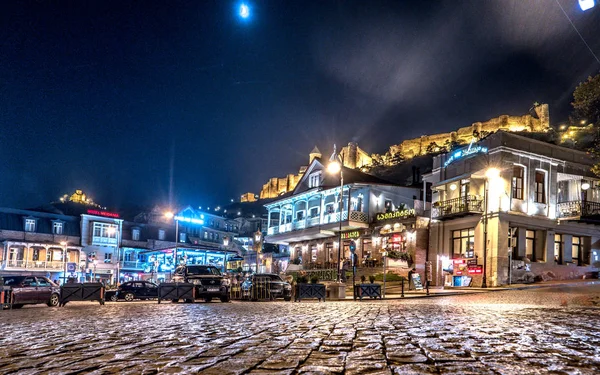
(208, 281)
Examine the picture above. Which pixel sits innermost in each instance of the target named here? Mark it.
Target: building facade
(510, 209)
(42, 244)
(308, 219)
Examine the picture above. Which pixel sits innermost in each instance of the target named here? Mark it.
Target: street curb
(480, 291)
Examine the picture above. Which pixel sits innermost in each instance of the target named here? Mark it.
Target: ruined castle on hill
(357, 158)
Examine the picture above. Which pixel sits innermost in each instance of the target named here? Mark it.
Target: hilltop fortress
(356, 158)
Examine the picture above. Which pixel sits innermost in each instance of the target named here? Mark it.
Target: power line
(577, 31)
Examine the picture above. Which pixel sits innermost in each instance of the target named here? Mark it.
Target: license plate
(212, 289)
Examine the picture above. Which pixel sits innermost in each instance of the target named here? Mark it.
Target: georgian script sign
(471, 150)
(395, 215)
(351, 234)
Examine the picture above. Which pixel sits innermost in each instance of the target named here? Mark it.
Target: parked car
(208, 280)
(29, 290)
(269, 285)
(133, 290)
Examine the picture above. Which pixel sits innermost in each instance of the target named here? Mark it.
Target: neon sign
(471, 150)
(103, 213)
(189, 220)
(395, 215)
(351, 234)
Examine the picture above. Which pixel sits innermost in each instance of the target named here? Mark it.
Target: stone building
(513, 209)
(540, 122)
(353, 156)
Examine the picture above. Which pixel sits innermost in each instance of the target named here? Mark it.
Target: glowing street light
(244, 10)
(585, 185)
(586, 4)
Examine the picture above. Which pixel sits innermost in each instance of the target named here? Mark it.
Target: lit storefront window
(463, 243)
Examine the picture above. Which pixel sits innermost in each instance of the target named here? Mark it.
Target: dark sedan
(30, 290)
(266, 285)
(133, 290)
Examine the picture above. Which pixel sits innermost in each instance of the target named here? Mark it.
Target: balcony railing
(576, 209)
(35, 264)
(356, 216)
(97, 240)
(457, 206)
(132, 265)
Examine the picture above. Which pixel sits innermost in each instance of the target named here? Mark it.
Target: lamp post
(94, 273)
(383, 256)
(225, 244)
(491, 173)
(64, 244)
(257, 244)
(171, 215)
(335, 165)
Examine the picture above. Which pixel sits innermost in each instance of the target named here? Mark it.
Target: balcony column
(26, 255)
(269, 219)
(46, 257)
(293, 214)
(321, 209)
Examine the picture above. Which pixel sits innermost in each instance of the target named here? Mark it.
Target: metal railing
(577, 209)
(334, 217)
(133, 264)
(469, 203)
(35, 264)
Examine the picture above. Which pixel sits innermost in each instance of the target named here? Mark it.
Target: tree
(586, 101)
(586, 105)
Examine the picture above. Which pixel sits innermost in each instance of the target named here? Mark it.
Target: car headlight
(225, 282)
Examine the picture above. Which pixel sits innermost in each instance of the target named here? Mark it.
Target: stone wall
(419, 146)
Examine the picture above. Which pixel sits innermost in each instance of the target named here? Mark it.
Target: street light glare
(586, 4)
(169, 215)
(334, 167)
(492, 173)
(244, 11)
(585, 185)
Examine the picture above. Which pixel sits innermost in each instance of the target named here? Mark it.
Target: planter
(367, 290)
(176, 291)
(304, 291)
(81, 292)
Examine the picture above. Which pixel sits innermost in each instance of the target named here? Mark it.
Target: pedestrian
(410, 279)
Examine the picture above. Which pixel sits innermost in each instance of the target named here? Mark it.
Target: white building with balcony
(308, 219)
(513, 209)
(101, 234)
(39, 243)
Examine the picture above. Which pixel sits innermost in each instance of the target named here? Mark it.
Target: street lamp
(113, 230)
(490, 174)
(334, 167)
(64, 244)
(171, 215)
(384, 254)
(257, 244)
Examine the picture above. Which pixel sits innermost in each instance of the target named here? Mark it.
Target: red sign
(475, 270)
(103, 213)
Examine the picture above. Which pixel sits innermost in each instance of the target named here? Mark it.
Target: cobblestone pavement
(514, 332)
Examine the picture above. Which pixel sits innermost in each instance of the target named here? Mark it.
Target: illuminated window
(314, 180)
(558, 247)
(576, 250)
(161, 234)
(530, 244)
(464, 188)
(105, 230)
(107, 257)
(182, 237)
(57, 227)
(29, 225)
(135, 234)
(517, 182)
(540, 187)
(463, 243)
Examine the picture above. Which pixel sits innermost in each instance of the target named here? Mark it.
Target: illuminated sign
(189, 220)
(404, 214)
(471, 150)
(103, 213)
(351, 234)
(475, 270)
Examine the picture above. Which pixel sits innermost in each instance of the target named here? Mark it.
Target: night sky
(112, 97)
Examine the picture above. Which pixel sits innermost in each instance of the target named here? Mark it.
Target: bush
(389, 277)
(314, 279)
(302, 279)
(372, 279)
(296, 261)
(363, 279)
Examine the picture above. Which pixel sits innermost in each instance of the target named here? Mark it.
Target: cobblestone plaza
(512, 332)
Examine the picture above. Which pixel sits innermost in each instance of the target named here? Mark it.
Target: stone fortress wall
(355, 157)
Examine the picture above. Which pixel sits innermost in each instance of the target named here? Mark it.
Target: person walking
(411, 284)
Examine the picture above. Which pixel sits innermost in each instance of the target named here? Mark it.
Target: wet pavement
(540, 331)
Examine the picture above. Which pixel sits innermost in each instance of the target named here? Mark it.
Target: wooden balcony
(457, 207)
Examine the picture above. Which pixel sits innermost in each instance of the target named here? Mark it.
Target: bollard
(402, 288)
(427, 286)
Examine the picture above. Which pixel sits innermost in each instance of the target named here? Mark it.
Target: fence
(82, 292)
